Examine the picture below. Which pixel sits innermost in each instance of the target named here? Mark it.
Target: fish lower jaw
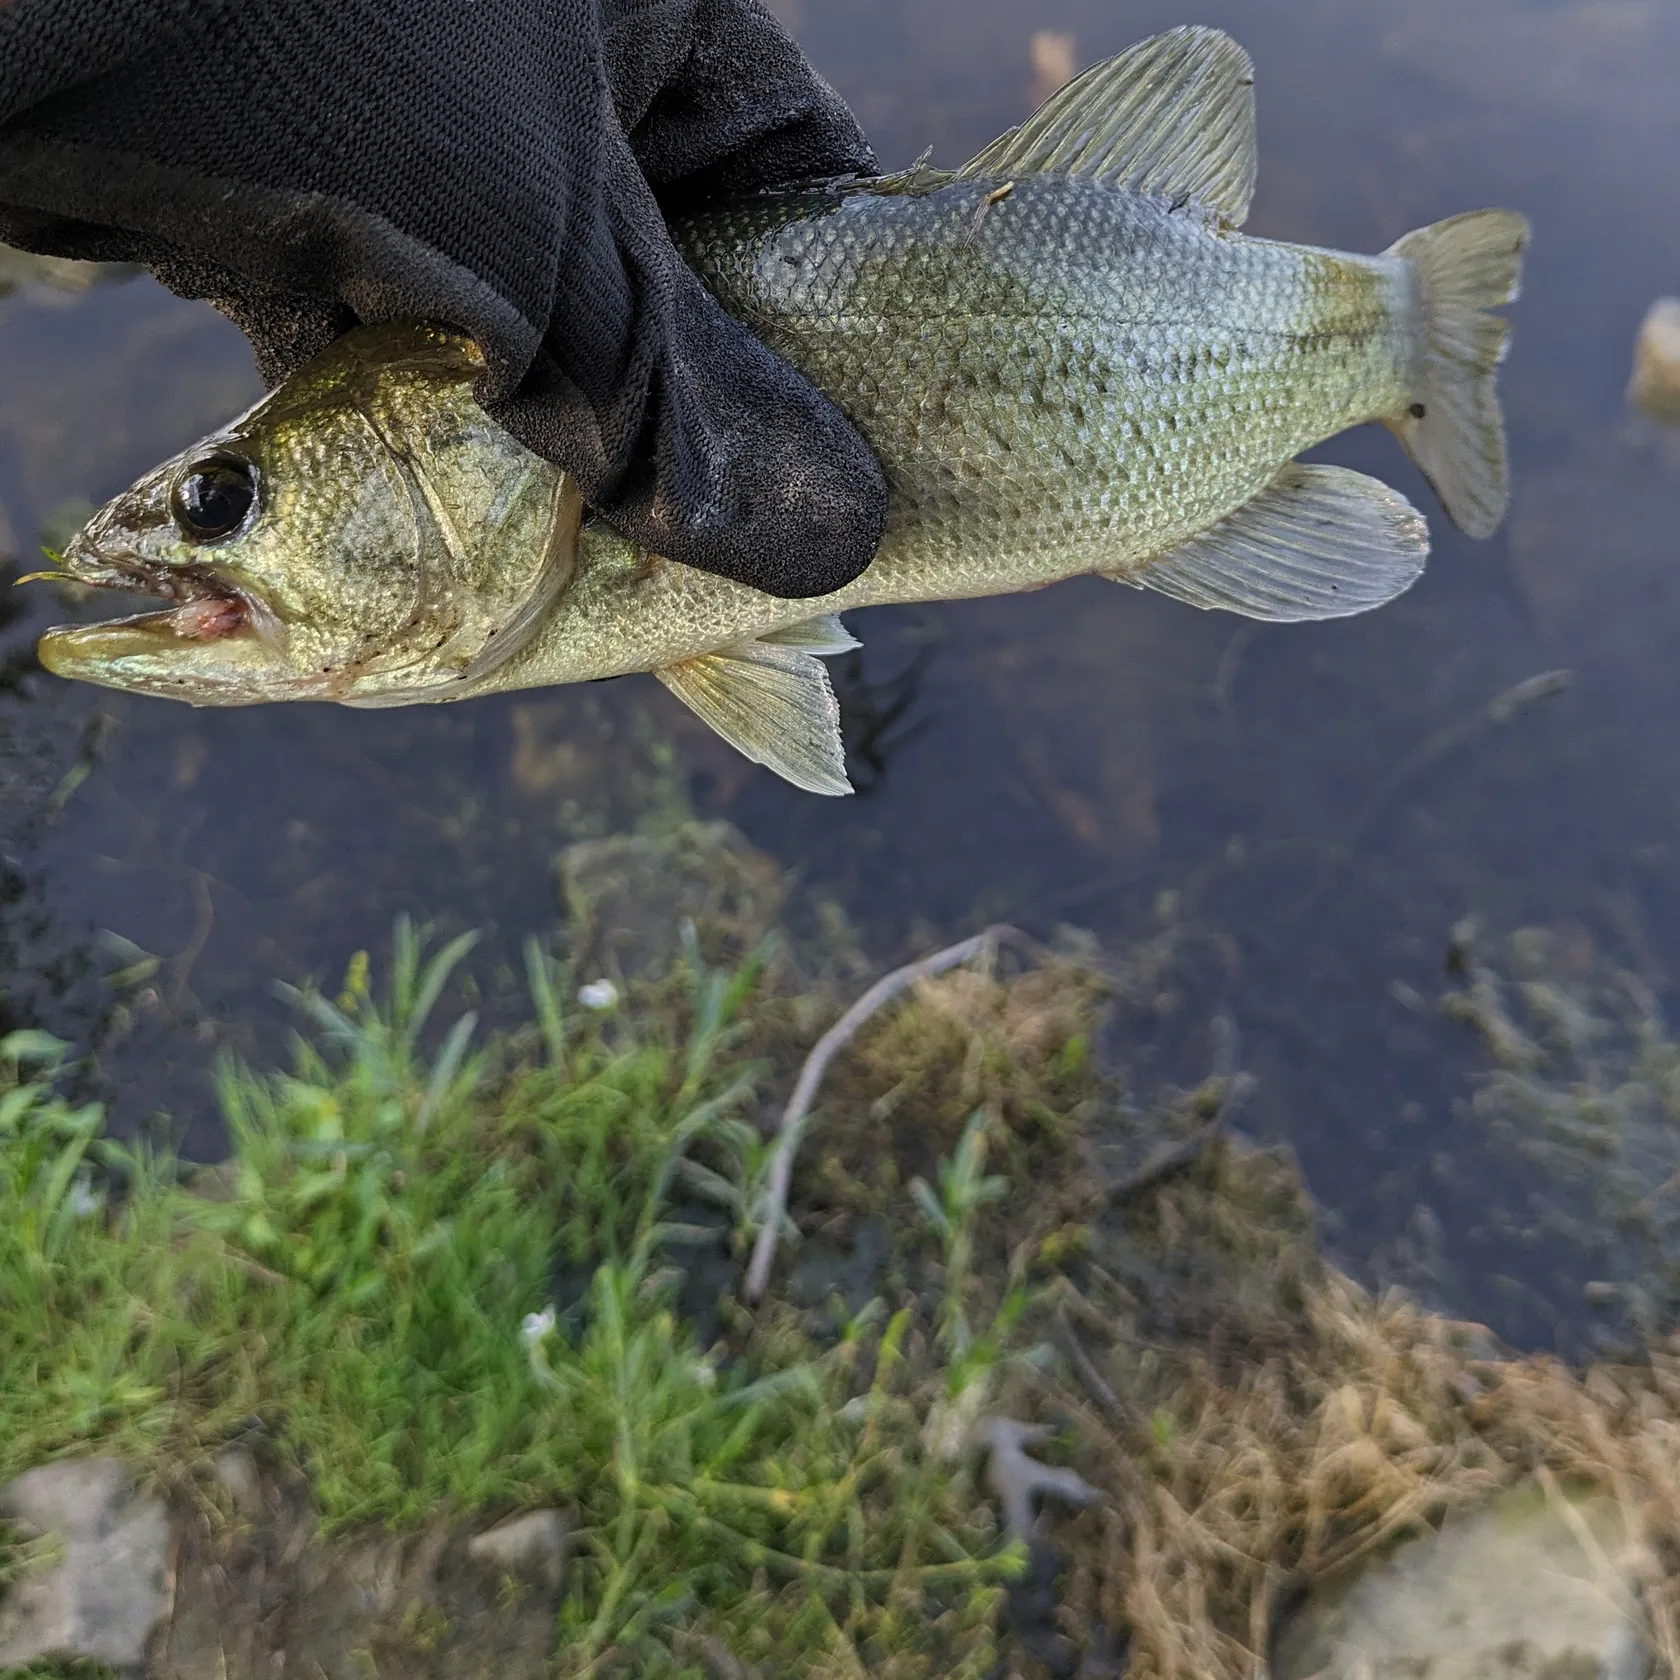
(207, 652)
(85, 650)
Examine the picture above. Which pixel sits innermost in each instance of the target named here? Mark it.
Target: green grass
(369, 1276)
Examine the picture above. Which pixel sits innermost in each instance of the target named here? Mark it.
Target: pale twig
(816, 1064)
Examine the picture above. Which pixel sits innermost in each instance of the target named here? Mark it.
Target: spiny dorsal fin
(1319, 542)
(1172, 116)
(772, 703)
(823, 635)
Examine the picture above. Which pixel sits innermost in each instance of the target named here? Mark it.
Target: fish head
(364, 534)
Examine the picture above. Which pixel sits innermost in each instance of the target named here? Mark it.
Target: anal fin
(773, 703)
(1318, 542)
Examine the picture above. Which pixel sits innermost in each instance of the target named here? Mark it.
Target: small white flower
(705, 1375)
(537, 1326)
(598, 994)
(84, 1199)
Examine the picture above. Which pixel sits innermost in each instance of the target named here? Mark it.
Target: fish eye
(213, 496)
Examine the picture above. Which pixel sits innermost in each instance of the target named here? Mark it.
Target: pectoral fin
(772, 702)
(1319, 542)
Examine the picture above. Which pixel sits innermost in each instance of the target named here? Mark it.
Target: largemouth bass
(1065, 356)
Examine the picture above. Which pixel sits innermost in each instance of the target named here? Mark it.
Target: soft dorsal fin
(771, 702)
(1319, 542)
(1172, 116)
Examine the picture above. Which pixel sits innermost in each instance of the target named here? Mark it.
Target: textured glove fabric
(497, 165)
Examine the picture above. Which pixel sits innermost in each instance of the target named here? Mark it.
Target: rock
(235, 1473)
(1655, 386)
(532, 1544)
(275, 1598)
(1054, 62)
(1508, 1591)
(102, 1600)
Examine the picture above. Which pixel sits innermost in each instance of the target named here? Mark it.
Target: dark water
(1268, 801)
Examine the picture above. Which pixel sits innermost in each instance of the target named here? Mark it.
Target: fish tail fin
(1465, 267)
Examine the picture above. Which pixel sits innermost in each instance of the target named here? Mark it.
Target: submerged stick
(1507, 705)
(1236, 1088)
(1503, 708)
(816, 1064)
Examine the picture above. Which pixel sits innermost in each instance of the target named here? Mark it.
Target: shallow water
(1303, 811)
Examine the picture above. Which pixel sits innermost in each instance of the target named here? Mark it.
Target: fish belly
(1059, 378)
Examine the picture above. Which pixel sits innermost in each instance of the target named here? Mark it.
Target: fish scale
(1065, 356)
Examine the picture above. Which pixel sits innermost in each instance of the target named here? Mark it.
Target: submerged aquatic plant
(1585, 1084)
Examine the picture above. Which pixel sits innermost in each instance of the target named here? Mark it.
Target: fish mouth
(202, 610)
(205, 606)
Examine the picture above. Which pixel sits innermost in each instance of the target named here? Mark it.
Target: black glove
(491, 164)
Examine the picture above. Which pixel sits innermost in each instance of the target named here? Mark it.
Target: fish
(1066, 355)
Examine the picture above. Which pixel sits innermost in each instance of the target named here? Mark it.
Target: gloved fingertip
(808, 506)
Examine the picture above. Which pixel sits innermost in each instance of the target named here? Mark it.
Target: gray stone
(1655, 386)
(102, 1600)
(1528, 1588)
(534, 1543)
(235, 1473)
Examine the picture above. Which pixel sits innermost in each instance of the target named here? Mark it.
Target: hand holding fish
(498, 167)
(1065, 355)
